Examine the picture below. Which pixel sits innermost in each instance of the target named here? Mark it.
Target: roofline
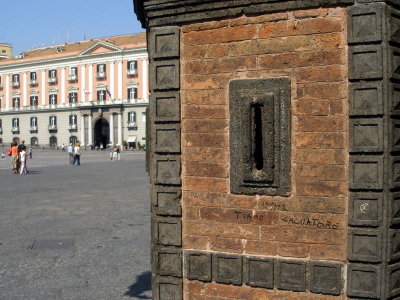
(73, 58)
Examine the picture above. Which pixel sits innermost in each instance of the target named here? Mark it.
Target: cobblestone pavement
(75, 232)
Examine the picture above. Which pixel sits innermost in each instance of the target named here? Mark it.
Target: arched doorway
(34, 141)
(53, 142)
(16, 139)
(101, 132)
(73, 140)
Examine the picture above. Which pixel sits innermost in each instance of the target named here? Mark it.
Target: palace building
(90, 91)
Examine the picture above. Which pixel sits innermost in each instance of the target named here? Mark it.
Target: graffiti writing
(248, 216)
(270, 206)
(311, 222)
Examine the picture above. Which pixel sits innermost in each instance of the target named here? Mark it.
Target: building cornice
(75, 58)
(66, 108)
(152, 13)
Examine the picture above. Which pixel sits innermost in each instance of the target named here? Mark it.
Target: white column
(112, 129)
(43, 77)
(24, 90)
(90, 87)
(63, 85)
(120, 80)
(83, 130)
(145, 79)
(7, 91)
(119, 129)
(83, 84)
(90, 137)
(112, 79)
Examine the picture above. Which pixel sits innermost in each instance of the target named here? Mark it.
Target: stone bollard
(273, 148)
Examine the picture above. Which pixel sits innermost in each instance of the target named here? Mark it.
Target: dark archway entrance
(101, 132)
(73, 140)
(53, 142)
(34, 141)
(15, 139)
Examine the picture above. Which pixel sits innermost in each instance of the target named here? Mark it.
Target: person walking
(62, 148)
(14, 157)
(30, 152)
(115, 153)
(111, 149)
(22, 159)
(77, 154)
(71, 153)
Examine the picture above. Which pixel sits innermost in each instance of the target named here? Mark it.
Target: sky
(28, 24)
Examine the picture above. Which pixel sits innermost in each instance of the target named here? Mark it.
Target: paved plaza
(75, 232)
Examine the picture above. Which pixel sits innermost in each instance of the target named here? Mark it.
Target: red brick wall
(310, 48)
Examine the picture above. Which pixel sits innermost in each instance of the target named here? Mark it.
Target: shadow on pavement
(34, 172)
(142, 284)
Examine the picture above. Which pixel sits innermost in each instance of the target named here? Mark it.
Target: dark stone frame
(273, 96)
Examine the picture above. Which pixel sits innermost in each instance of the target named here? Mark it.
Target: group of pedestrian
(115, 152)
(74, 154)
(19, 155)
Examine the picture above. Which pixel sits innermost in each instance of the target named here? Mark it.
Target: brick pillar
(273, 148)
(374, 238)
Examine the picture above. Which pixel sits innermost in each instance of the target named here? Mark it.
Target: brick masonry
(309, 51)
(333, 232)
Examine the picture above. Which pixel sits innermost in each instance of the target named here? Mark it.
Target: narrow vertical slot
(258, 154)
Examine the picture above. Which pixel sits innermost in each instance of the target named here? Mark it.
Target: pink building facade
(94, 92)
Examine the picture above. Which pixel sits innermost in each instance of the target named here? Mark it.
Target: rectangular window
(131, 117)
(15, 81)
(101, 68)
(73, 74)
(132, 93)
(101, 95)
(52, 74)
(101, 71)
(53, 121)
(72, 119)
(33, 76)
(73, 98)
(53, 99)
(33, 121)
(16, 102)
(132, 65)
(34, 101)
(132, 68)
(144, 117)
(260, 136)
(15, 123)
